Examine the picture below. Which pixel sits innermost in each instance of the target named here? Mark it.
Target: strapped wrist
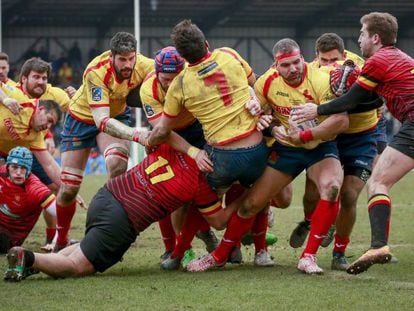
(192, 152)
(306, 136)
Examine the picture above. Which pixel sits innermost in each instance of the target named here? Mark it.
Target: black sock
(29, 258)
(379, 216)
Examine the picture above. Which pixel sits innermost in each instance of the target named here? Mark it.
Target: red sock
(191, 225)
(340, 244)
(167, 233)
(323, 217)
(203, 225)
(259, 230)
(233, 193)
(236, 228)
(50, 234)
(64, 215)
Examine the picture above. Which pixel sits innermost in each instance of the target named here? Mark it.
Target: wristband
(136, 136)
(192, 152)
(102, 125)
(306, 135)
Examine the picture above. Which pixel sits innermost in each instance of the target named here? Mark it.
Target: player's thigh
(272, 181)
(104, 141)
(81, 263)
(75, 158)
(327, 175)
(392, 165)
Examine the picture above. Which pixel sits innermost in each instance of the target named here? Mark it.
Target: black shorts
(403, 141)
(109, 232)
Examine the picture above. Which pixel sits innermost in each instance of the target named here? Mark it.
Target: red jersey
(390, 73)
(164, 181)
(20, 206)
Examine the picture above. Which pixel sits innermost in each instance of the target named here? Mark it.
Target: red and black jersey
(390, 73)
(164, 181)
(20, 206)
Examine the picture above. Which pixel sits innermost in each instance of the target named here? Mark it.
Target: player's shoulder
(33, 184)
(229, 51)
(99, 64)
(267, 77)
(144, 63)
(317, 73)
(355, 58)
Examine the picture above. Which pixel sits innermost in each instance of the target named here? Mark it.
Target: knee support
(116, 150)
(71, 179)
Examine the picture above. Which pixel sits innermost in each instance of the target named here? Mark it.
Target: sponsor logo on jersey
(8, 123)
(148, 109)
(207, 69)
(6, 211)
(96, 92)
(282, 94)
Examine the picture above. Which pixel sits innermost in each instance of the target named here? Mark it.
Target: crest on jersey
(148, 109)
(96, 92)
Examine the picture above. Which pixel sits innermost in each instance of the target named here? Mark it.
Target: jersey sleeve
(174, 101)
(370, 75)
(38, 142)
(58, 95)
(145, 66)
(246, 67)
(39, 193)
(149, 97)
(97, 92)
(205, 199)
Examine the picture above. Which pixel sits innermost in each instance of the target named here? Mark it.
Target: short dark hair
(285, 45)
(189, 41)
(123, 42)
(329, 41)
(34, 64)
(383, 24)
(51, 105)
(4, 56)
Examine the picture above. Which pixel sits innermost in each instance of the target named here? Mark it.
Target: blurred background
(71, 32)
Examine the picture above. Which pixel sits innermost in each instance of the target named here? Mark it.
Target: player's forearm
(49, 165)
(159, 135)
(357, 97)
(178, 143)
(330, 127)
(114, 127)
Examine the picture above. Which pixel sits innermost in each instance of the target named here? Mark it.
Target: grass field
(137, 283)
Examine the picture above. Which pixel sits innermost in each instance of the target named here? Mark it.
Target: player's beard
(36, 91)
(123, 74)
(295, 78)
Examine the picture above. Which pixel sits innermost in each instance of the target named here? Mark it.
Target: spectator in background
(92, 53)
(65, 75)
(44, 53)
(75, 56)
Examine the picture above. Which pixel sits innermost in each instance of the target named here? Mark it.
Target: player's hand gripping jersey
(273, 90)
